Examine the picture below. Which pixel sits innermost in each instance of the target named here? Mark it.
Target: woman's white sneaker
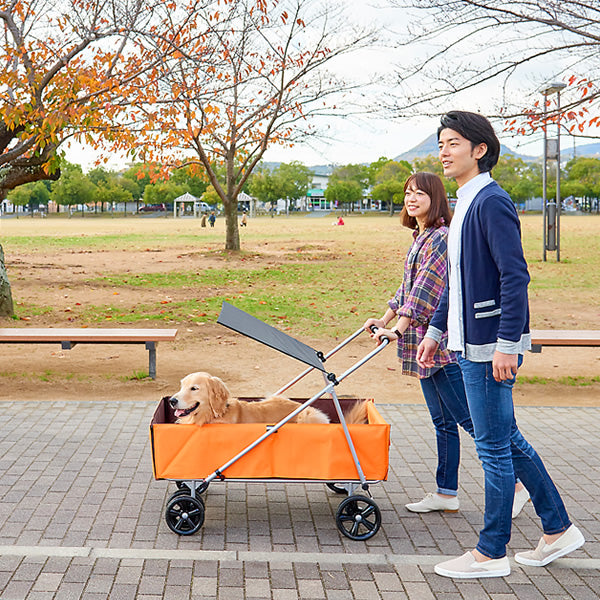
(521, 499)
(433, 502)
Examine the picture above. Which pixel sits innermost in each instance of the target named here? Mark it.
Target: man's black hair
(478, 130)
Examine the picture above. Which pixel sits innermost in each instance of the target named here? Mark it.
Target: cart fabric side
(296, 451)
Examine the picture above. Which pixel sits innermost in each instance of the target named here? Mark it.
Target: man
(485, 310)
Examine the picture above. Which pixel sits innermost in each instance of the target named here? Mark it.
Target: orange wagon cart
(348, 458)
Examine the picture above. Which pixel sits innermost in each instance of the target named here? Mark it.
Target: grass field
(298, 269)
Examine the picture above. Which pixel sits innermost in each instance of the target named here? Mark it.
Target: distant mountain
(588, 150)
(429, 147)
(324, 170)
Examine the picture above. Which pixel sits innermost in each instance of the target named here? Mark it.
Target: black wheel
(358, 517)
(184, 514)
(180, 492)
(337, 488)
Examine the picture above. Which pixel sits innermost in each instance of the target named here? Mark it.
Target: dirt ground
(102, 372)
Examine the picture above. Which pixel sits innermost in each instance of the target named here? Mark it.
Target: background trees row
(383, 180)
(101, 188)
(203, 84)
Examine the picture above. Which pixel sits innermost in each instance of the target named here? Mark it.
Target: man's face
(458, 157)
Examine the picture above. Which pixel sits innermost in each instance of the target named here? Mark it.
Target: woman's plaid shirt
(425, 276)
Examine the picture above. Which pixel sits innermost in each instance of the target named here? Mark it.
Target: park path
(82, 517)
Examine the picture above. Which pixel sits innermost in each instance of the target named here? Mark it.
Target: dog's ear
(218, 394)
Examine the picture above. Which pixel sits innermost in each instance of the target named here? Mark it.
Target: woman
(427, 213)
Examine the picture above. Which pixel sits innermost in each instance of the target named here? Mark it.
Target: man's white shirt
(465, 196)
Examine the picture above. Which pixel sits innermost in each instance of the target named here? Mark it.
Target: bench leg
(537, 348)
(151, 347)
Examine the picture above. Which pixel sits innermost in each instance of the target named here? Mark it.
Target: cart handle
(329, 354)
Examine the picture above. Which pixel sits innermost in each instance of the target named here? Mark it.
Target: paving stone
(82, 479)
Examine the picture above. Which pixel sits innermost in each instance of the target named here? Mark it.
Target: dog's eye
(194, 388)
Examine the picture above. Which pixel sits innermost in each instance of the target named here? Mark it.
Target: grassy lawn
(294, 272)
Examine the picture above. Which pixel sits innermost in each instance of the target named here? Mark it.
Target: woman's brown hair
(439, 212)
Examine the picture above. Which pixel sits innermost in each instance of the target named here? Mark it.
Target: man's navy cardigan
(494, 280)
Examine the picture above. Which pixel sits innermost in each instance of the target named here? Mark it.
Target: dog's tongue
(180, 413)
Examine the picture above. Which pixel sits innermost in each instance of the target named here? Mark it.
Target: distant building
(315, 196)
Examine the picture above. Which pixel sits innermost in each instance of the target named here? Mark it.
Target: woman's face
(417, 202)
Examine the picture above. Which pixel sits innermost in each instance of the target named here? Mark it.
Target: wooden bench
(69, 337)
(563, 337)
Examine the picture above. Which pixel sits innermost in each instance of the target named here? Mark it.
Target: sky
(364, 139)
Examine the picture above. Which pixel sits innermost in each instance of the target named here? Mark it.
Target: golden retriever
(204, 398)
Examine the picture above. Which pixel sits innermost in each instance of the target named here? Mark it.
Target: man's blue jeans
(444, 393)
(501, 446)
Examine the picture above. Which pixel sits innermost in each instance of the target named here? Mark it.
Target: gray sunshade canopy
(254, 328)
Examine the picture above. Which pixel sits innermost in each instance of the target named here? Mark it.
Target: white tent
(187, 197)
(243, 197)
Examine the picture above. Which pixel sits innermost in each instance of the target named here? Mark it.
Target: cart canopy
(254, 328)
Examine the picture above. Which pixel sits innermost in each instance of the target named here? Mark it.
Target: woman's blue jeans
(504, 453)
(444, 393)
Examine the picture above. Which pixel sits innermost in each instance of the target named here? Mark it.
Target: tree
(6, 301)
(583, 180)
(191, 179)
(162, 192)
(67, 65)
(292, 181)
(263, 186)
(247, 74)
(135, 179)
(389, 183)
(30, 194)
(347, 184)
(112, 191)
(287, 181)
(517, 178)
(347, 192)
(210, 196)
(374, 168)
(512, 40)
(73, 188)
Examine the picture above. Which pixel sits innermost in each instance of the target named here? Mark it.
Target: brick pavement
(82, 517)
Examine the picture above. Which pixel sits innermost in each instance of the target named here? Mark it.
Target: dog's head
(202, 398)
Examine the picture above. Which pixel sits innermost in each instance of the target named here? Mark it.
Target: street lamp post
(551, 210)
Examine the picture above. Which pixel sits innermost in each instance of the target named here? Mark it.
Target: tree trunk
(232, 235)
(6, 302)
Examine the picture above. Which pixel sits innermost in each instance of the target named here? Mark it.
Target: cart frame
(358, 516)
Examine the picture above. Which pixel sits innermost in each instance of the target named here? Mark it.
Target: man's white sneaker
(521, 499)
(433, 502)
(570, 540)
(466, 567)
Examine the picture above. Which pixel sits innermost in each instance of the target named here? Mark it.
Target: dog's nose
(173, 401)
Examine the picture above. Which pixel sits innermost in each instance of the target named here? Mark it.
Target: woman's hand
(382, 333)
(379, 323)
